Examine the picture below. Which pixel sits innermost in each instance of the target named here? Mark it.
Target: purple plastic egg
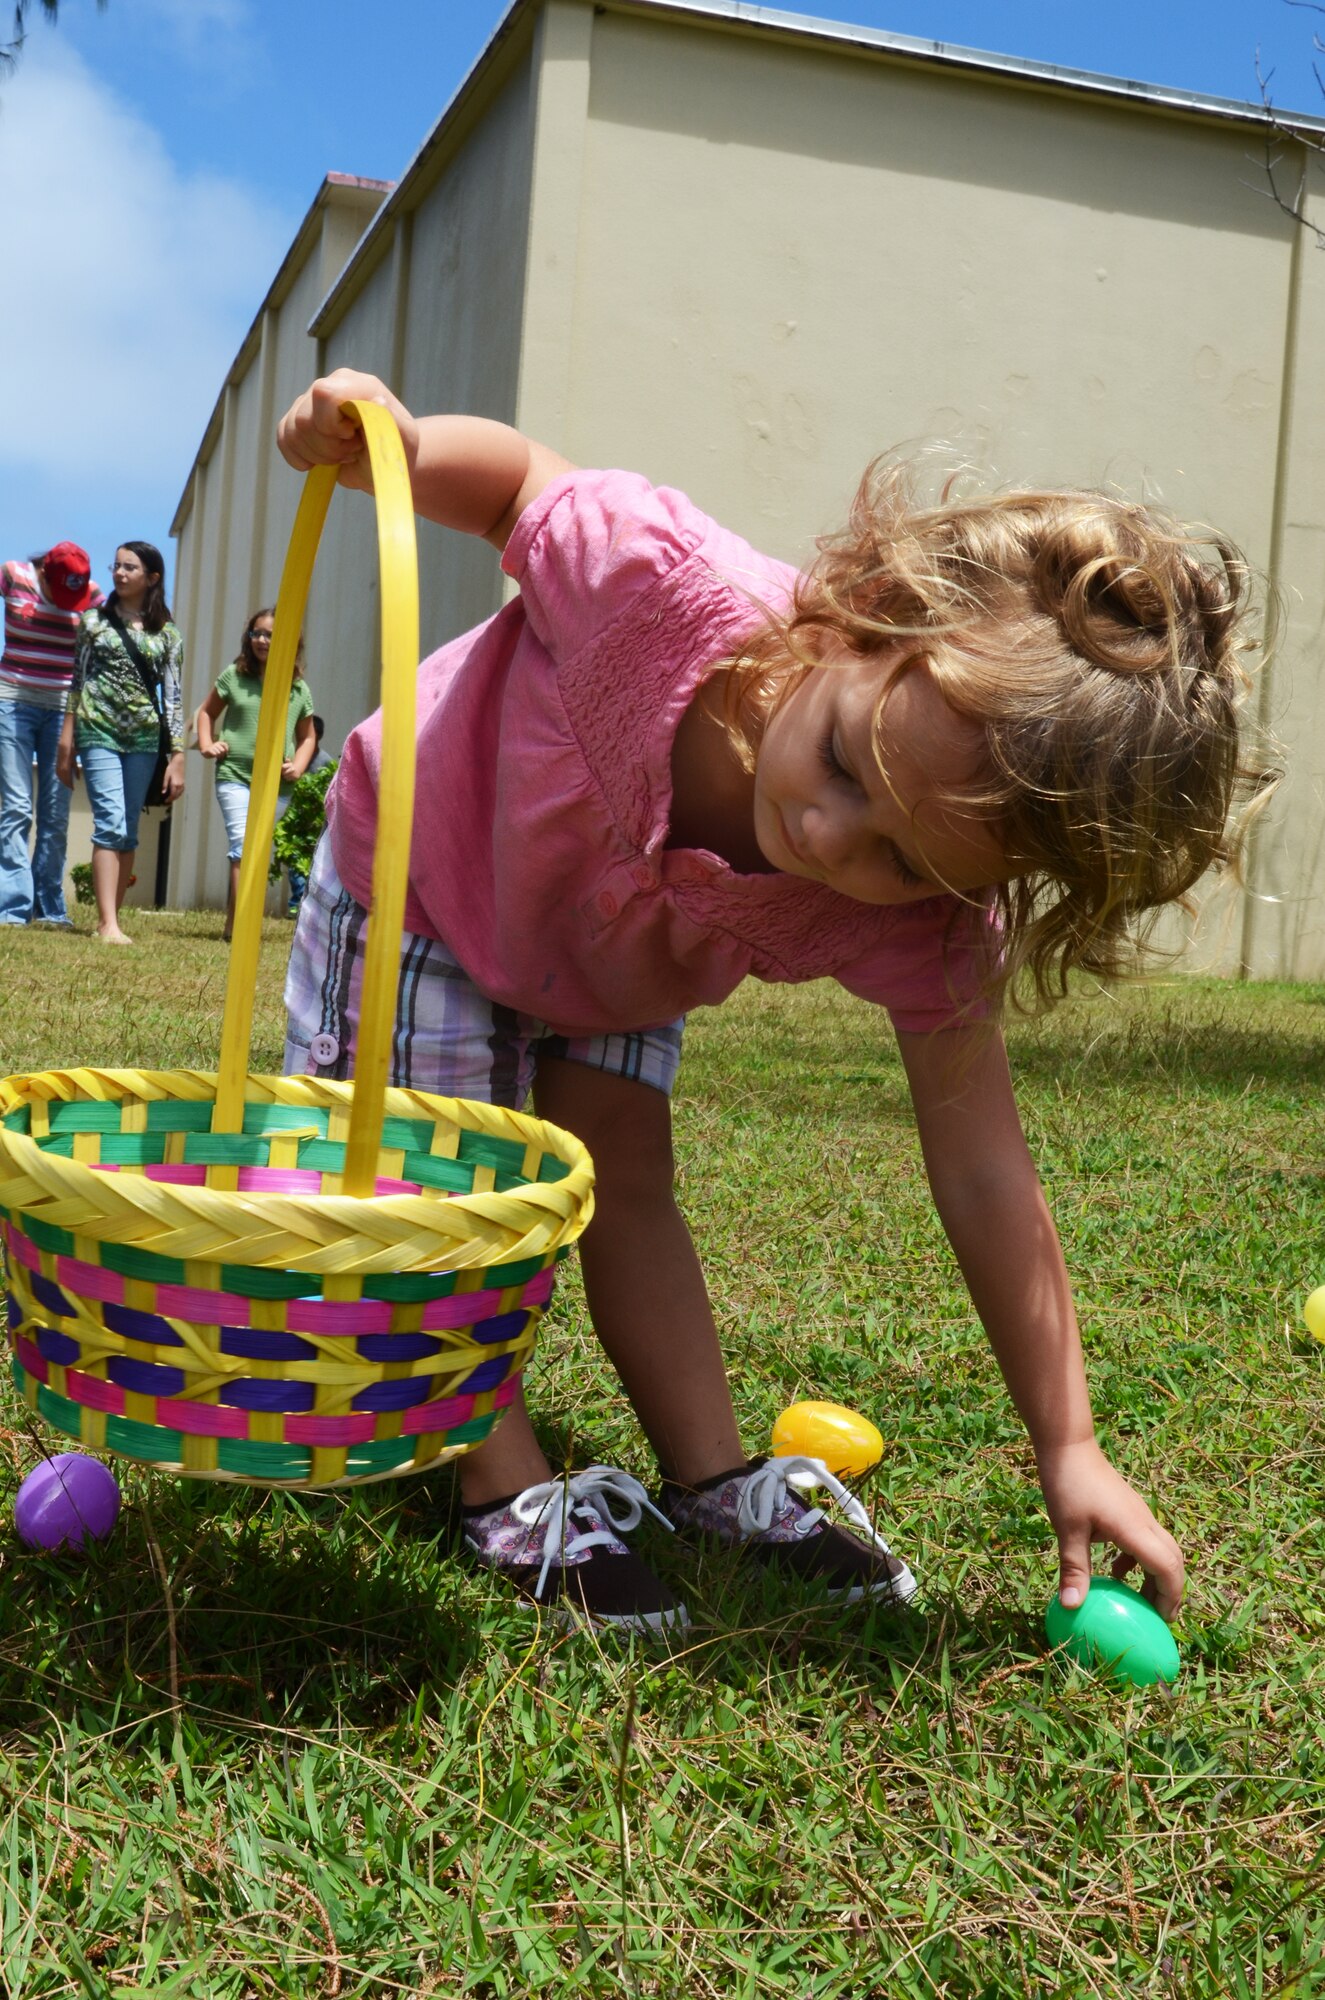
(67, 1501)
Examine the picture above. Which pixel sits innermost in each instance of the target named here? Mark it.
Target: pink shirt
(544, 785)
(38, 661)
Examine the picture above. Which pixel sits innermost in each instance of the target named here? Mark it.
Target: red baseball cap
(68, 576)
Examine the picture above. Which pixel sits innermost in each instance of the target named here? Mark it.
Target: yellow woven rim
(328, 1232)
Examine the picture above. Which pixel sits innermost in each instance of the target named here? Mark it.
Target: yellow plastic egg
(1313, 1312)
(846, 1442)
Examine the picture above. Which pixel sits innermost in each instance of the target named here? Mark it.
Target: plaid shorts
(449, 1038)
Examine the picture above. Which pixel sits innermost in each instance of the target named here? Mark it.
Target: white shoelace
(764, 1494)
(550, 1506)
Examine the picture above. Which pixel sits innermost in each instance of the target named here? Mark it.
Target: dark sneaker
(560, 1545)
(760, 1508)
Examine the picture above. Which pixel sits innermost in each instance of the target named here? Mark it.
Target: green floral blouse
(108, 701)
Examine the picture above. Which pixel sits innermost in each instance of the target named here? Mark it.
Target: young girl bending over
(973, 741)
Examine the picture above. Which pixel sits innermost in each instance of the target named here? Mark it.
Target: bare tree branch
(1283, 132)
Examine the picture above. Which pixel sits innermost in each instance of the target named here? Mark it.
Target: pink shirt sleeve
(929, 971)
(589, 545)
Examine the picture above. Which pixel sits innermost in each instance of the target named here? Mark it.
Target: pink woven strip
(357, 1427)
(253, 1180)
(21, 1248)
(280, 1180)
(448, 1412)
(213, 1420)
(90, 1281)
(203, 1308)
(30, 1358)
(93, 1393)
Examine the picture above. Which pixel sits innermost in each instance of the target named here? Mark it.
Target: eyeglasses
(255, 632)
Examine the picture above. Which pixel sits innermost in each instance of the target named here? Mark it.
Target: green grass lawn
(266, 1744)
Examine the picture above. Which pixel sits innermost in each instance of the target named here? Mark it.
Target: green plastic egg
(1117, 1631)
(1313, 1312)
(848, 1443)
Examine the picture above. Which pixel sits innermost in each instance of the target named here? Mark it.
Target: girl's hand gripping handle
(319, 430)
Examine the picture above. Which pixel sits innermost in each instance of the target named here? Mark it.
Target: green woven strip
(407, 1135)
(20, 1120)
(270, 1118)
(327, 1156)
(154, 1445)
(409, 1287)
(168, 1114)
(486, 1151)
(149, 1264)
(47, 1238)
(126, 1149)
(225, 1149)
(248, 1282)
(84, 1116)
(429, 1170)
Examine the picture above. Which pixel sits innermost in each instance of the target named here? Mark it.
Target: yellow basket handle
(399, 577)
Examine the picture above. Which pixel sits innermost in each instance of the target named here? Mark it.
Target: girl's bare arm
(993, 1209)
(305, 743)
(467, 473)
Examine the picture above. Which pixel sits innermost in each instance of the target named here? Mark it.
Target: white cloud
(128, 281)
(199, 31)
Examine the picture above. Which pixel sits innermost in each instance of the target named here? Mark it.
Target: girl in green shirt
(233, 705)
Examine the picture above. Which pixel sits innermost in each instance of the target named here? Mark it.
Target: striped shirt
(38, 661)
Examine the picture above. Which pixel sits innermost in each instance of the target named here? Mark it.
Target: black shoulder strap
(147, 673)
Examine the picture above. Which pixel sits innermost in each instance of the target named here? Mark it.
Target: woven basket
(284, 1280)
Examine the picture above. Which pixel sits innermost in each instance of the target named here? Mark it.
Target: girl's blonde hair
(1097, 646)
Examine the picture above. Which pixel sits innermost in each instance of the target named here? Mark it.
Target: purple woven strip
(446, 1413)
(145, 1378)
(51, 1297)
(57, 1347)
(331, 1318)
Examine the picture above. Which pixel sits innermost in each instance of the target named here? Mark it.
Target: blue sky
(163, 151)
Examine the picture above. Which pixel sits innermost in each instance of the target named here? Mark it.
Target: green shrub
(81, 877)
(300, 826)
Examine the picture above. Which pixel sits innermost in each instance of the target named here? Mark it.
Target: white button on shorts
(324, 1049)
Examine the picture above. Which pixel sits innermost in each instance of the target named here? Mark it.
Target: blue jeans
(31, 887)
(117, 782)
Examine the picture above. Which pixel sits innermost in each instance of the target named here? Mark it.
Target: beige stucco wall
(440, 317)
(235, 522)
(810, 257)
(743, 261)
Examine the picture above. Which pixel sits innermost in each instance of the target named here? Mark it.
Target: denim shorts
(232, 797)
(449, 1038)
(117, 782)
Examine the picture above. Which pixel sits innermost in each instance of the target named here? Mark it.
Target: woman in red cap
(44, 598)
